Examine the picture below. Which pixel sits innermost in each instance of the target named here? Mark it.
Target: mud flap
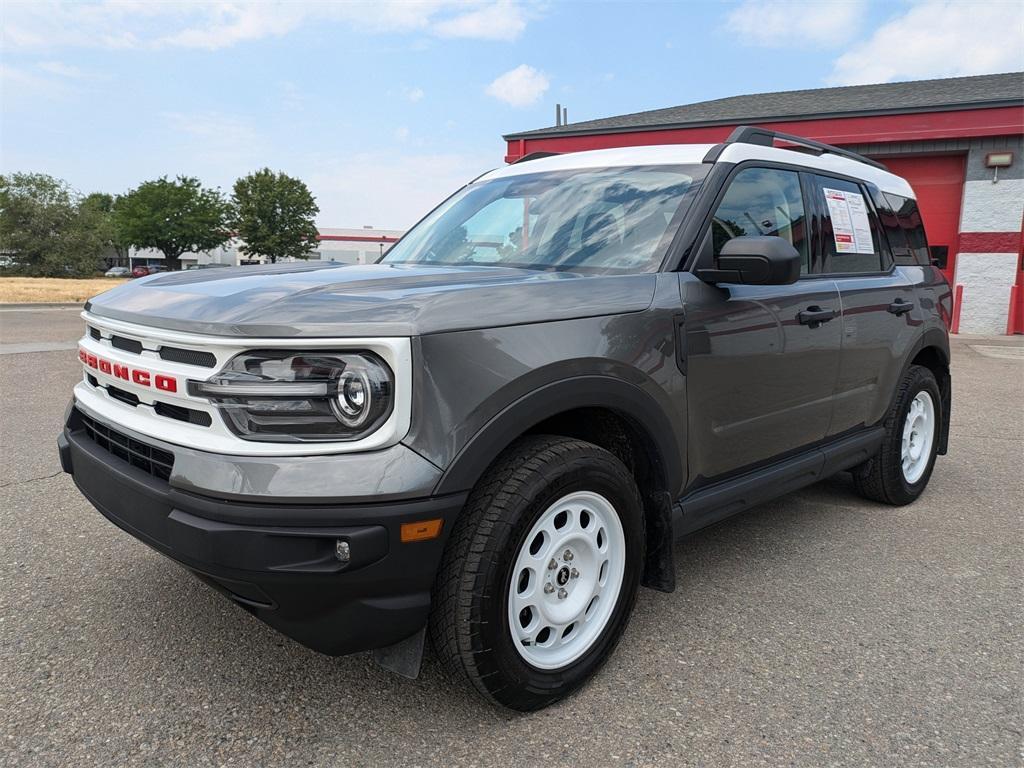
(659, 566)
(404, 657)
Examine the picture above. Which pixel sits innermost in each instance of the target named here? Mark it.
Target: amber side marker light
(421, 530)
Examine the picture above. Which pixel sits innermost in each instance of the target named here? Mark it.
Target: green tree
(274, 216)
(44, 229)
(101, 206)
(174, 217)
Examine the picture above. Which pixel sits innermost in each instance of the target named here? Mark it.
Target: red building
(958, 141)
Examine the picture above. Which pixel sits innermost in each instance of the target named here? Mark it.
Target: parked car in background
(154, 268)
(494, 440)
(117, 272)
(140, 271)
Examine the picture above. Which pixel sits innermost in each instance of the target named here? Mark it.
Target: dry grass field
(42, 290)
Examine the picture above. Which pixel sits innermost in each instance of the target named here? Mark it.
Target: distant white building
(344, 245)
(356, 246)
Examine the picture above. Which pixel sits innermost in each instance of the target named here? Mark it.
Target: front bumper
(276, 560)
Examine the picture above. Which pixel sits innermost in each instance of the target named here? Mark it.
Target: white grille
(217, 438)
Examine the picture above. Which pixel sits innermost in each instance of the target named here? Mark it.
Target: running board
(715, 503)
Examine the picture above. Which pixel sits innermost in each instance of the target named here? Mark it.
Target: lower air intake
(149, 459)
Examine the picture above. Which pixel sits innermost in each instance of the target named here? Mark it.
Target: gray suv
(492, 437)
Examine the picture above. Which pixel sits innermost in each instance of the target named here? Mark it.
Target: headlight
(299, 396)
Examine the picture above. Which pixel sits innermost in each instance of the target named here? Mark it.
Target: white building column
(990, 226)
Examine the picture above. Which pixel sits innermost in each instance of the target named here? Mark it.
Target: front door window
(763, 201)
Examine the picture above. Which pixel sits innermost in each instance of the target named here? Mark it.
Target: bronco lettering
(139, 376)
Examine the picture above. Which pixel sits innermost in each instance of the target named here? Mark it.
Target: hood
(366, 300)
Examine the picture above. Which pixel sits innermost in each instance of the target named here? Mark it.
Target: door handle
(900, 307)
(815, 316)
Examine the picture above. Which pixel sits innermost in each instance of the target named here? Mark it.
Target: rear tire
(900, 471)
(525, 634)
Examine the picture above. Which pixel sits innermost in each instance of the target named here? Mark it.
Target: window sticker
(850, 226)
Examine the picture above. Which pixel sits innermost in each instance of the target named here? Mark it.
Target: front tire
(540, 573)
(900, 471)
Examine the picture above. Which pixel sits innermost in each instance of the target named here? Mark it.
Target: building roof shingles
(883, 98)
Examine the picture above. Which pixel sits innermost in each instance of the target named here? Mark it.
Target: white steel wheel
(566, 580)
(918, 436)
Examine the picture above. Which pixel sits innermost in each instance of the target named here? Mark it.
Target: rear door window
(850, 240)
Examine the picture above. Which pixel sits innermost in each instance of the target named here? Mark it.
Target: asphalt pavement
(819, 629)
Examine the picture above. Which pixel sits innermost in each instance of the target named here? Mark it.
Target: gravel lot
(818, 630)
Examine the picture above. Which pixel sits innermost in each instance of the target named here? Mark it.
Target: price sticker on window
(850, 228)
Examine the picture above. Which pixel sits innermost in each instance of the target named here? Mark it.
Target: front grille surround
(209, 432)
(154, 461)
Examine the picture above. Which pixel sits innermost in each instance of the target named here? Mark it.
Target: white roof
(686, 154)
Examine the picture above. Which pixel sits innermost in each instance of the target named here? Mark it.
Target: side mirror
(755, 260)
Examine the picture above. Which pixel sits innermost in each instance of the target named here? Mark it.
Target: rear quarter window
(909, 217)
(894, 232)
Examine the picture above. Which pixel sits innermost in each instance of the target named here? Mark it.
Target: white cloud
(503, 20)
(216, 142)
(22, 87)
(62, 70)
(519, 87)
(293, 99)
(777, 23)
(125, 24)
(413, 94)
(387, 190)
(937, 39)
(402, 133)
(226, 24)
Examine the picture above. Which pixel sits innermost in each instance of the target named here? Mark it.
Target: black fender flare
(935, 338)
(588, 391)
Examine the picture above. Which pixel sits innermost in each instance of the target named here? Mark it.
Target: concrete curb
(971, 338)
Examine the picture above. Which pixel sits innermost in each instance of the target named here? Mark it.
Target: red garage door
(939, 184)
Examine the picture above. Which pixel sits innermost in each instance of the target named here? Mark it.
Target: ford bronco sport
(492, 436)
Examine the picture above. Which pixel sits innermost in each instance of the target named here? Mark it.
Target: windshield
(591, 220)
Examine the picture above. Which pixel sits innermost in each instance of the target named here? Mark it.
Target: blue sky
(383, 108)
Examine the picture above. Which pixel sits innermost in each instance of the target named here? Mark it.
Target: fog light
(342, 551)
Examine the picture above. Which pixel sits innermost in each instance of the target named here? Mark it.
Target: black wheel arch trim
(590, 391)
(935, 338)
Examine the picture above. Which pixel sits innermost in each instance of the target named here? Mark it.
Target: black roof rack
(763, 137)
(535, 156)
